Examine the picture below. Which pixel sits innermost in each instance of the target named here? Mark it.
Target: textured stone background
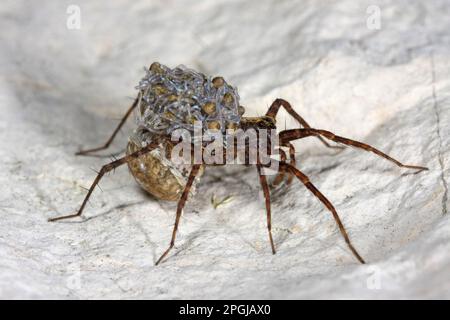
(61, 89)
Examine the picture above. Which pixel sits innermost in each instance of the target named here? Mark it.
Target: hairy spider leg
(266, 191)
(106, 168)
(293, 134)
(275, 107)
(280, 176)
(281, 173)
(273, 111)
(305, 180)
(180, 206)
(292, 160)
(111, 138)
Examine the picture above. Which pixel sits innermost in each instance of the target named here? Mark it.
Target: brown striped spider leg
(285, 167)
(105, 169)
(294, 134)
(266, 191)
(275, 107)
(111, 138)
(305, 180)
(281, 173)
(194, 171)
(289, 135)
(280, 176)
(272, 112)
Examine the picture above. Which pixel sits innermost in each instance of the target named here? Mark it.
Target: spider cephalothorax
(170, 100)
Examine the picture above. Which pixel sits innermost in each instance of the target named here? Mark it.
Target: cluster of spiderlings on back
(177, 98)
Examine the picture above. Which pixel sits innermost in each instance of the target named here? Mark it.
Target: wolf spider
(286, 137)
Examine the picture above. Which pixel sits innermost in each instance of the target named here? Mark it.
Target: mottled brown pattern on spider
(149, 148)
(155, 176)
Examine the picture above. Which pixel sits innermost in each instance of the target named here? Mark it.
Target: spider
(170, 99)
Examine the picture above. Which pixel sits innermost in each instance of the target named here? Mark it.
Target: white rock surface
(61, 89)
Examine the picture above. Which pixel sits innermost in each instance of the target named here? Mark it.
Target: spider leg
(280, 176)
(180, 206)
(265, 187)
(111, 138)
(289, 135)
(292, 161)
(106, 168)
(275, 107)
(305, 180)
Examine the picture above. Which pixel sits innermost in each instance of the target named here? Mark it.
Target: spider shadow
(84, 219)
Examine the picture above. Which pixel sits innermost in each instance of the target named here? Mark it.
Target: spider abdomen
(158, 175)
